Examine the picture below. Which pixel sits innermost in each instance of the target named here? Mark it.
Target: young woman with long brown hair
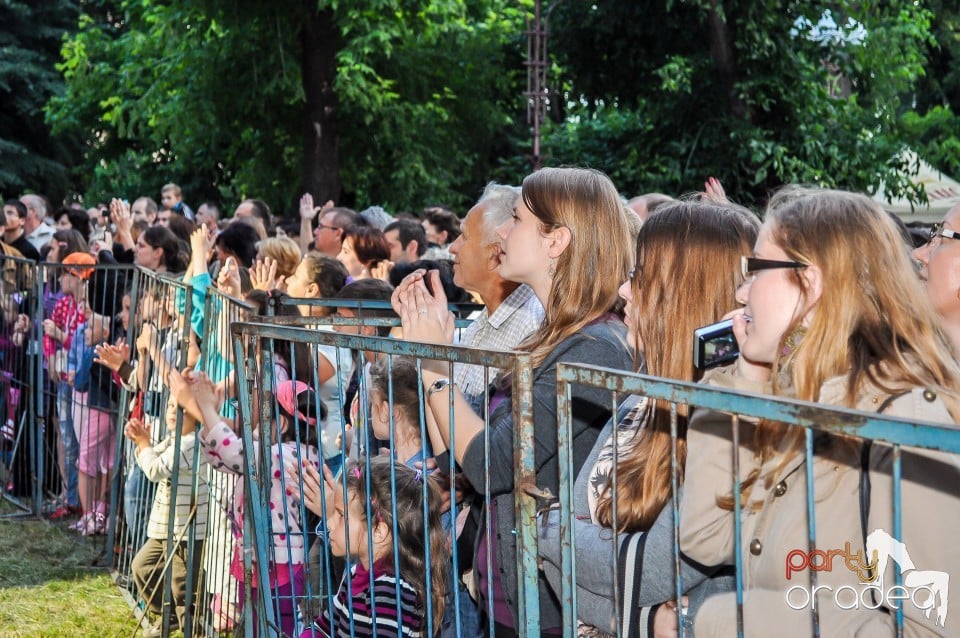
(833, 314)
(684, 279)
(568, 240)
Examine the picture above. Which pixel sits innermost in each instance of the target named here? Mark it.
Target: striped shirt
(157, 464)
(372, 608)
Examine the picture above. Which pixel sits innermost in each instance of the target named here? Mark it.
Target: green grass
(51, 584)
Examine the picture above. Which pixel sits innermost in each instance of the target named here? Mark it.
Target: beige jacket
(775, 523)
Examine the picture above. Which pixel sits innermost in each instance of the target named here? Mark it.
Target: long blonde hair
(686, 276)
(873, 323)
(598, 258)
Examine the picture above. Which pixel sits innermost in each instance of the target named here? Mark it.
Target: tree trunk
(724, 58)
(320, 42)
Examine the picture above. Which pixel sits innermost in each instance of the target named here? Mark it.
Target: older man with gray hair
(37, 231)
(512, 311)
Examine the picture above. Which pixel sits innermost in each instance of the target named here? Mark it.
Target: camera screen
(714, 345)
(719, 349)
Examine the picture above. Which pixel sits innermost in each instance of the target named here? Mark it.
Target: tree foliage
(30, 157)
(756, 93)
(210, 94)
(408, 102)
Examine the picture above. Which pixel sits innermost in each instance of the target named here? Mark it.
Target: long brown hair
(412, 530)
(872, 323)
(686, 276)
(598, 258)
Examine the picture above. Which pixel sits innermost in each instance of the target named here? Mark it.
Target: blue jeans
(71, 448)
(469, 615)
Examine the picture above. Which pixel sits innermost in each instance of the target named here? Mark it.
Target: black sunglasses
(752, 265)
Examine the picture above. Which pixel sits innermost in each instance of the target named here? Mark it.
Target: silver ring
(422, 311)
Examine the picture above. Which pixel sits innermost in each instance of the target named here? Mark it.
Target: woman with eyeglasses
(939, 261)
(831, 314)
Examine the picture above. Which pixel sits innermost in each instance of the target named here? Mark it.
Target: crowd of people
(832, 301)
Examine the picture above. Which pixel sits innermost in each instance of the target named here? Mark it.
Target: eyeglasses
(938, 232)
(322, 226)
(750, 266)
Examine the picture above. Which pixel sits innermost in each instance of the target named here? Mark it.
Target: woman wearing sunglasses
(832, 314)
(939, 262)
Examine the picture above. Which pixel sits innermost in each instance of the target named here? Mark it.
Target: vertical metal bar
(168, 604)
(568, 588)
(811, 524)
(35, 373)
(675, 504)
(614, 510)
(253, 509)
(898, 531)
(737, 523)
(528, 598)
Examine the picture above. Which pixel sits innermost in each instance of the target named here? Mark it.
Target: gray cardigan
(645, 561)
(601, 343)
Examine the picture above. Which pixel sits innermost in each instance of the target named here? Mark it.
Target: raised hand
(263, 275)
(308, 210)
(112, 355)
(147, 339)
(382, 270)
(138, 432)
(310, 493)
(120, 215)
(196, 394)
(424, 314)
(228, 281)
(713, 191)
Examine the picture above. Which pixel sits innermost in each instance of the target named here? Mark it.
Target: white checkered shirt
(513, 321)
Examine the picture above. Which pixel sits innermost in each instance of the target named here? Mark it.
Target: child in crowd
(296, 433)
(411, 449)
(95, 396)
(360, 524)
(58, 332)
(159, 463)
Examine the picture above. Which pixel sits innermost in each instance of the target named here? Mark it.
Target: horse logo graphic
(936, 584)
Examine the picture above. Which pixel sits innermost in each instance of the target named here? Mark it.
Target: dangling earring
(552, 271)
(792, 342)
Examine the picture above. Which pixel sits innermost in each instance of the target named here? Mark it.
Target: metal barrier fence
(573, 571)
(195, 557)
(307, 572)
(159, 537)
(60, 407)
(24, 441)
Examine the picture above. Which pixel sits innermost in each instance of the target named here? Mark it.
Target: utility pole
(537, 64)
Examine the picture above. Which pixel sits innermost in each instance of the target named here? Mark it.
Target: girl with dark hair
(181, 227)
(295, 433)
(72, 219)
(238, 241)
(160, 250)
(65, 242)
(374, 599)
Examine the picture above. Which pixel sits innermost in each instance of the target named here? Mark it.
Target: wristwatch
(437, 386)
